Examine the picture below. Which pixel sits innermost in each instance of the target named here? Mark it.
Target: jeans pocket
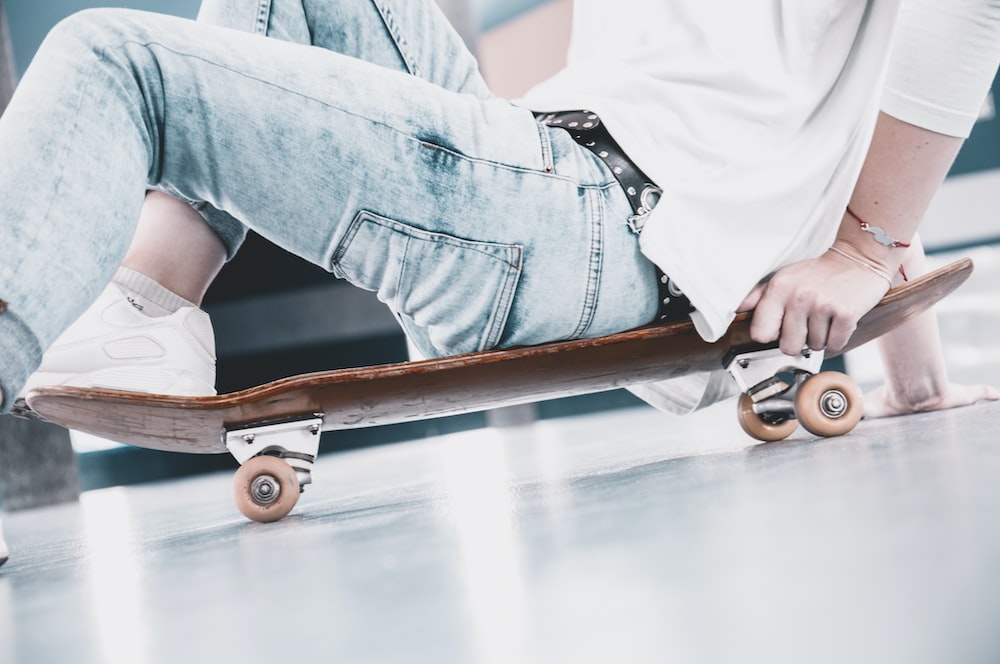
(453, 295)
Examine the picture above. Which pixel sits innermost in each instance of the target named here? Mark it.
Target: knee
(89, 30)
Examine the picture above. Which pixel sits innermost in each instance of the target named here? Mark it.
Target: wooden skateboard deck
(369, 396)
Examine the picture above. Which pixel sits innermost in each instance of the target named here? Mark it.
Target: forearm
(819, 302)
(904, 168)
(912, 356)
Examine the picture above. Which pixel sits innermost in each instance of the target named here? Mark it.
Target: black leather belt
(587, 129)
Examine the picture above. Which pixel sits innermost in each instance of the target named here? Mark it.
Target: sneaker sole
(22, 410)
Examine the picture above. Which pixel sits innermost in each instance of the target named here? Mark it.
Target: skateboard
(273, 430)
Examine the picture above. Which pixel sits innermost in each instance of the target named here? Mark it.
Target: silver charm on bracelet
(881, 236)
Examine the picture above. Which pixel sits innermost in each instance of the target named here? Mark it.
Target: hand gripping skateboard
(273, 430)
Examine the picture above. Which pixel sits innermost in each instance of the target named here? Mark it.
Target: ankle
(175, 247)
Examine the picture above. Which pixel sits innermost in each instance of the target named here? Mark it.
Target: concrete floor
(627, 536)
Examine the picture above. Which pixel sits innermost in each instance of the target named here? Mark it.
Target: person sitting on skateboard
(692, 159)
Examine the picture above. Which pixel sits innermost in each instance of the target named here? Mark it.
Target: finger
(819, 331)
(794, 329)
(750, 301)
(988, 393)
(841, 330)
(961, 396)
(765, 326)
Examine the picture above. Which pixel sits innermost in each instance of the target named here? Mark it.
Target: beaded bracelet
(880, 234)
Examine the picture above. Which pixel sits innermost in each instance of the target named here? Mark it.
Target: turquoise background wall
(982, 150)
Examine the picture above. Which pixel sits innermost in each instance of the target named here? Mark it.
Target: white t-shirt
(755, 116)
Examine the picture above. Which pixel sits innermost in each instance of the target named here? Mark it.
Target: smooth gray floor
(623, 537)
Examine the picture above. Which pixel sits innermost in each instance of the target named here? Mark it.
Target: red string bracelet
(881, 236)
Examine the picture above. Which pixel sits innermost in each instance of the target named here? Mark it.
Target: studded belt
(587, 129)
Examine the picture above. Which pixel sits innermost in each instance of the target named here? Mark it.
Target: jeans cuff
(20, 355)
(230, 231)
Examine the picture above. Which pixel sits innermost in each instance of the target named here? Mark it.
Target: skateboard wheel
(829, 404)
(760, 429)
(265, 489)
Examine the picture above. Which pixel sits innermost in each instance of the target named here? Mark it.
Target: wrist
(871, 243)
(850, 258)
(878, 233)
(916, 396)
(916, 376)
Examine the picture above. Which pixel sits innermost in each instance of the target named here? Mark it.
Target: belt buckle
(648, 199)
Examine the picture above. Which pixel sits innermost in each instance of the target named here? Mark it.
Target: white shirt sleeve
(944, 59)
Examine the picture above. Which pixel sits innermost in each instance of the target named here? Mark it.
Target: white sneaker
(114, 345)
(3, 546)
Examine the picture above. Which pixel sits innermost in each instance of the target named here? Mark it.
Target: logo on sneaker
(135, 304)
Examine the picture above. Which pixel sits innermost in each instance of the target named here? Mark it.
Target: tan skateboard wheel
(757, 428)
(265, 489)
(829, 404)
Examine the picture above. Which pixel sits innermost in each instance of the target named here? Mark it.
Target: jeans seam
(502, 304)
(402, 268)
(594, 266)
(491, 333)
(263, 17)
(396, 35)
(490, 162)
(338, 250)
(159, 45)
(548, 160)
(390, 222)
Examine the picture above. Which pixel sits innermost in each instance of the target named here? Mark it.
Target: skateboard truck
(781, 391)
(758, 372)
(276, 462)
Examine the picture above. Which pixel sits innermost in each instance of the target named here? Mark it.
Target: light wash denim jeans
(361, 138)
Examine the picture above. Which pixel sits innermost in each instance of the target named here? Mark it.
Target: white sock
(147, 295)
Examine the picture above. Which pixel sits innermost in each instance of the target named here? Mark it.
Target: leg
(172, 244)
(411, 37)
(168, 246)
(474, 224)
(174, 247)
